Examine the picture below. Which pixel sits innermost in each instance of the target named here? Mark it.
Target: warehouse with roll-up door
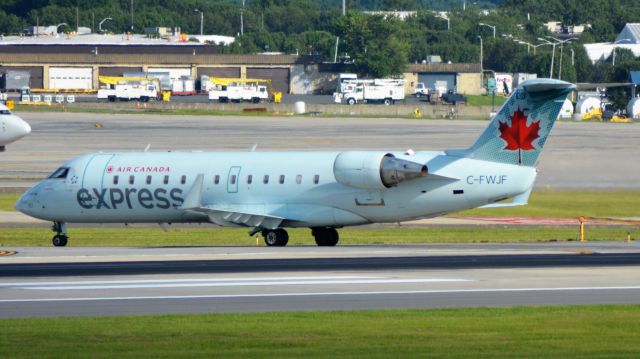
(174, 72)
(71, 78)
(279, 76)
(226, 72)
(35, 73)
(462, 78)
(77, 61)
(117, 71)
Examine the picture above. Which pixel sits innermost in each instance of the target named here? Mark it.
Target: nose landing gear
(61, 237)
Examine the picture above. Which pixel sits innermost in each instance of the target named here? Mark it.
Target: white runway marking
(314, 294)
(219, 282)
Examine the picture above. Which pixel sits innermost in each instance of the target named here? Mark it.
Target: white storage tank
(300, 107)
(567, 109)
(633, 108)
(587, 104)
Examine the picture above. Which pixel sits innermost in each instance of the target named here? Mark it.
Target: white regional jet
(269, 191)
(12, 127)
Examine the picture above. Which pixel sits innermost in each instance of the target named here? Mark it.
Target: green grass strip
(208, 235)
(602, 331)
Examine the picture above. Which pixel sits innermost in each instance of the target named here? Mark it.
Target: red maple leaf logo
(518, 136)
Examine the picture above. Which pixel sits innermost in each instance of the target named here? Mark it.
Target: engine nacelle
(374, 170)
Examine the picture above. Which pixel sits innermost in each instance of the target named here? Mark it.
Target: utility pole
(242, 19)
(481, 74)
(344, 7)
(77, 20)
(132, 16)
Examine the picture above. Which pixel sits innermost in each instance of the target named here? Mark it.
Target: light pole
(553, 54)
(201, 18)
(445, 18)
(561, 42)
(481, 72)
(101, 22)
(491, 26)
(520, 42)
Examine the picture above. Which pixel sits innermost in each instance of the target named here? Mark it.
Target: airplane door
(93, 176)
(233, 179)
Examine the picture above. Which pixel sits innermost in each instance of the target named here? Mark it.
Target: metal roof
(630, 34)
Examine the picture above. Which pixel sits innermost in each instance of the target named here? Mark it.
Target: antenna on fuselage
(253, 149)
(147, 148)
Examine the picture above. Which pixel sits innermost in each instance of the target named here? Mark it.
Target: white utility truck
(385, 91)
(238, 90)
(129, 88)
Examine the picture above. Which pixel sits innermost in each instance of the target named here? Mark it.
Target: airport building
(77, 62)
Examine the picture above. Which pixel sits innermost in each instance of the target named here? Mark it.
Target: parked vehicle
(386, 91)
(129, 88)
(238, 90)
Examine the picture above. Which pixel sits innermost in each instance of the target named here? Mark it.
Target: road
(577, 155)
(116, 281)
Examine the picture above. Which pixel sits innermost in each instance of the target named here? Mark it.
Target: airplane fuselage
(301, 187)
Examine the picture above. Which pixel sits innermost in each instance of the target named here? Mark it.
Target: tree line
(375, 45)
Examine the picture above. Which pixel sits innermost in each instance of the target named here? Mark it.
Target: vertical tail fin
(518, 132)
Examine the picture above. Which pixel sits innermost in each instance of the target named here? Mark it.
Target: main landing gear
(61, 237)
(324, 236)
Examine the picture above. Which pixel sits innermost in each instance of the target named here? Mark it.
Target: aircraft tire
(276, 237)
(325, 237)
(59, 240)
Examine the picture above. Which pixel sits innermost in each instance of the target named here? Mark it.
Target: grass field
(526, 332)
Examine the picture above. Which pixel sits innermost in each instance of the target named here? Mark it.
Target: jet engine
(374, 170)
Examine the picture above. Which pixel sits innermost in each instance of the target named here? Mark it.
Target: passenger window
(115, 179)
(183, 179)
(131, 179)
(233, 179)
(61, 172)
(316, 179)
(249, 179)
(265, 179)
(166, 180)
(148, 179)
(216, 179)
(299, 179)
(281, 179)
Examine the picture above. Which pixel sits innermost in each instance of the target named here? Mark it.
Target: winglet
(194, 197)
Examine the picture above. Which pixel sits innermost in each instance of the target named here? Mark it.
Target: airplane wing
(519, 200)
(241, 215)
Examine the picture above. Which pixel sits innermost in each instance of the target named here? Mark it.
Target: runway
(115, 281)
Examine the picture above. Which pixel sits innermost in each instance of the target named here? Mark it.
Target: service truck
(238, 90)
(129, 88)
(385, 91)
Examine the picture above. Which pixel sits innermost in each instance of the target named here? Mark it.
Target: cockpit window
(61, 173)
(5, 112)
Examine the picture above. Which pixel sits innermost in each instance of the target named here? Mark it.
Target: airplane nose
(26, 203)
(22, 128)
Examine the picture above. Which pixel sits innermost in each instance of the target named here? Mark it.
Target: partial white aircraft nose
(13, 129)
